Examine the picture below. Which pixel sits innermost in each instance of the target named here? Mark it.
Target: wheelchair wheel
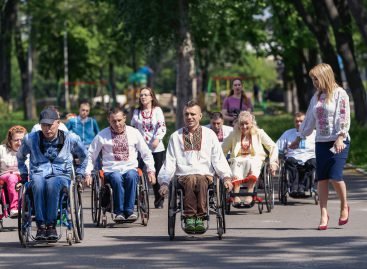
(220, 198)
(283, 186)
(143, 199)
(76, 209)
(95, 201)
(268, 188)
(172, 207)
(24, 217)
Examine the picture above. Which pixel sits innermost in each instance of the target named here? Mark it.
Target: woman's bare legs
(341, 191)
(323, 191)
(236, 189)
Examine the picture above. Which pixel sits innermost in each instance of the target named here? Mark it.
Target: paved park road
(285, 238)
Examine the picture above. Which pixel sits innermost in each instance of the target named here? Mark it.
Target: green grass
(273, 125)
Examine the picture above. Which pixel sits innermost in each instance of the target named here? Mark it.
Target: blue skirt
(328, 164)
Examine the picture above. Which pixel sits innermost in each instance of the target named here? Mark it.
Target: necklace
(147, 113)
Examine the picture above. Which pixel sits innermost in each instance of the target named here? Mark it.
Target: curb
(352, 166)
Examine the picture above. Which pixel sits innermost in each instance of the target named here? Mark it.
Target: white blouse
(330, 118)
(8, 160)
(151, 126)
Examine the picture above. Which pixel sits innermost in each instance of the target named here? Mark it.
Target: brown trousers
(196, 189)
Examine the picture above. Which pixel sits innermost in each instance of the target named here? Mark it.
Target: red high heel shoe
(345, 221)
(323, 227)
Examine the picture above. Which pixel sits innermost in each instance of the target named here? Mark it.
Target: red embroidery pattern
(120, 146)
(220, 135)
(146, 122)
(245, 145)
(195, 143)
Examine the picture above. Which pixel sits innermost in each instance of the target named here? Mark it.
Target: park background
(59, 52)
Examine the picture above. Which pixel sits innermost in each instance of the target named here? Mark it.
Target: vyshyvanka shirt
(189, 154)
(330, 118)
(119, 151)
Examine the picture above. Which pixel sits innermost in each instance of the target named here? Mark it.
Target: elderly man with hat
(50, 152)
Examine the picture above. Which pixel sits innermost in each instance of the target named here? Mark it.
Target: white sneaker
(13, 213)
(119, 218)
(132, 217)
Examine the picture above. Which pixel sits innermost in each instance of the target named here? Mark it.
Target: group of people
(195, 153)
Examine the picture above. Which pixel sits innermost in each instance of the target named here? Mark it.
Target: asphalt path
(284, 238)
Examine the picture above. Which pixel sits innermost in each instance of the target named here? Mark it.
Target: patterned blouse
(151, 125)
(330, 118)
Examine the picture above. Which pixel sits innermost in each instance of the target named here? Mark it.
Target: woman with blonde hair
(329, 113)
(246, 146)
(9, 172)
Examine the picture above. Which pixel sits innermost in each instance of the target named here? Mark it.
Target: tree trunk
(359, 13)
(111, 82)
(185, 64)
(25, 67)
(319, 25)
(7, 22)
(340, 19)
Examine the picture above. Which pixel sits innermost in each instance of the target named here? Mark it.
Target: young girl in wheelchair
(247, 144)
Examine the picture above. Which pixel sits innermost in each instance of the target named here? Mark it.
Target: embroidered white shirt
(151, 126)
(209, 160)
(103, 143)
(329, 118)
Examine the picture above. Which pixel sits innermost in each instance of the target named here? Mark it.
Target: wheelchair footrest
(243, 205)
(194, 232)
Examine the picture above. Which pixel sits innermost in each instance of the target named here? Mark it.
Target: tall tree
(318, 24)
(7, 22)
(359, 12)
(339, 16)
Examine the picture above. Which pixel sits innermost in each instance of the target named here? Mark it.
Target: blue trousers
(124, 191)
(46, 196)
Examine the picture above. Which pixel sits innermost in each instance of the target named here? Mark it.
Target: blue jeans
(124, 191)
(46, 196)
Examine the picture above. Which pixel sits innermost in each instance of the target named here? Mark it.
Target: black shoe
(159, 203)
(41, 233)
(293, 194)
(51, 233)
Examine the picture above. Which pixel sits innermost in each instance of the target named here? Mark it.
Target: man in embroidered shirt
(218, 127)
(194, 155)
(50, 152)
(119, 145)
(300, 162)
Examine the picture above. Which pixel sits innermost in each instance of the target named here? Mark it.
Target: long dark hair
(244, 97)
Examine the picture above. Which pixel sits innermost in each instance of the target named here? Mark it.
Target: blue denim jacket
(62, 164)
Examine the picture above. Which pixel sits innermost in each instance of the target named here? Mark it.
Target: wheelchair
(263, 192)
(284, 183)
(102, 200)
(70, 215)
(215, 202)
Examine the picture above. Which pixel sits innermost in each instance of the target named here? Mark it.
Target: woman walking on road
(149, 120)
(329, 113)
